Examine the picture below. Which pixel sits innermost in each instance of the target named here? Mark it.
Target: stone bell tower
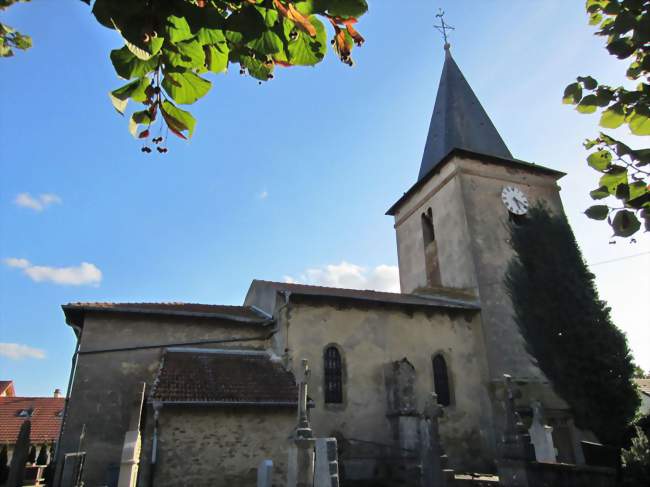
(452, 224)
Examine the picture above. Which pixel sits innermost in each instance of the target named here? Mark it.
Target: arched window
(441, 380)
(333, 376)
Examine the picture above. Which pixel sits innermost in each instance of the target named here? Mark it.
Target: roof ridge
(329, 287)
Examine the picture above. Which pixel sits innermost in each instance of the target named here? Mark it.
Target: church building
(211, 389)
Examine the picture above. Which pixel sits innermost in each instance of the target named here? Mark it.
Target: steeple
(458, 121)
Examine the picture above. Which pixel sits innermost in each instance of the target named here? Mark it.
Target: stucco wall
(489, 235)
(471, 227)
(369, 338)
(104, 383)
(215, 447)
(443, 195)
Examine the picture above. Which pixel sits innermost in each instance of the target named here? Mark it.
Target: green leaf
(594, 19)
(623, 192)
(600, 160)
(187, 54)
(597, 212)
(256, 68)
(177, 29)
(134, 89)
(244, 26)
(305, 50)
(178, 120)
(599, 193)
(613, 117)
(625, 223)
(341, 8)
(128, 66)
(572, 94)
(185, 87)
(639, 123)
(141, 117)
(589, 82)
(615, 176)
(206, 35)
(588, 104)
(216, 59)
(621, 48)
(638, 189)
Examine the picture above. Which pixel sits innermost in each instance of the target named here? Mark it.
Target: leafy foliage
(172, 45)
(636, 461)
(625, 172)
(11, 39)
(567, 328)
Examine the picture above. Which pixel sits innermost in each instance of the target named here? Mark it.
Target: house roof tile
(45, 418)
(223, 377)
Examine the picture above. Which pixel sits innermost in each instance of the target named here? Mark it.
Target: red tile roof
(7, 388)
(223, 377)
(45, 419)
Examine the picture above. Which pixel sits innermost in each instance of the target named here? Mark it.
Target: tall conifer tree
(568, 329)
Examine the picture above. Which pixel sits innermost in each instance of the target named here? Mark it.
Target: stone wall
(218, 447)
(104, 383)
(369, 337)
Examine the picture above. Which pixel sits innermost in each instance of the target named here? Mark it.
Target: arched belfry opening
(430, 249)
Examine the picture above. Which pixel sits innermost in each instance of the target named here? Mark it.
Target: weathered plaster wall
(443, 195)
(471, 227)
(489, 236)
(369, 338)
(104, 383)
(216, 447)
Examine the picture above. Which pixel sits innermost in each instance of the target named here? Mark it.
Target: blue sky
(283, 179)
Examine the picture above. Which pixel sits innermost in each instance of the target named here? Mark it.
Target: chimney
(57, 393)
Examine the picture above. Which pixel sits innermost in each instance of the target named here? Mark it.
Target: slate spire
(458, 121)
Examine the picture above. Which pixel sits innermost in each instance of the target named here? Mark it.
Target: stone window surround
(450, 376)
(330, 406)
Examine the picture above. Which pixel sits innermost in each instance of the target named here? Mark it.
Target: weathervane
(443, 28)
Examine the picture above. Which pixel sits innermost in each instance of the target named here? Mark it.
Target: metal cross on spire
(443, 27)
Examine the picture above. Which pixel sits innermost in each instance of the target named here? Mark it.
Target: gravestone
(300, 468)
(402, 412)
(265, 473)
(132, 442)
(541, 435)
(516, 449)
(327, 467)
(432, 454)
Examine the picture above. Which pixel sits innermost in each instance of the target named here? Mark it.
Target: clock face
(515, 200)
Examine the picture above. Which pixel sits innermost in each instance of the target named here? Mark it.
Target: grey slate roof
(458, 121)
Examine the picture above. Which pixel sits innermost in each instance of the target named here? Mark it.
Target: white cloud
(37, 203)
(14, 262)
(346, 275)
(83, 274)
(16, 351)
(263, 195)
